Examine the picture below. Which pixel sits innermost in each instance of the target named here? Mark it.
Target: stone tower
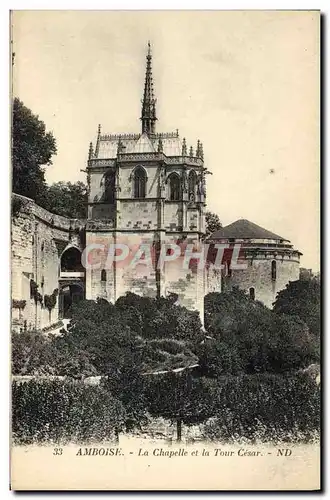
(145, 188)
(266, 261)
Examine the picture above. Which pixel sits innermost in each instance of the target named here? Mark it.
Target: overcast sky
(245, 83)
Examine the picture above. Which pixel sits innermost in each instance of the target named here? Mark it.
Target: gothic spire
(148, 114)
(97, 147)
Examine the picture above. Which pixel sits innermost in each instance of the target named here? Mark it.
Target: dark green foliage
(265, 407)
(34, 293)
(98, 330)
(62, 412)
(245, 336)
(166, 354)
(36, 354)
(132, 342)
(302, 298)
(128, 385)
(32, 150)
(18, 304)
(67, 199)
(218, 358)
(130, 332)
(159, 318)
(17, 204)
(50, 300)
(24, 351)
(212, 223)
(179, 396)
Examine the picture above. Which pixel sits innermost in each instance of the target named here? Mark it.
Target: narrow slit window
(274, 270)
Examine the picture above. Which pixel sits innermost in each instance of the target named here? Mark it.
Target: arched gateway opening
(71, 261)
(69, 295)
(71, 281)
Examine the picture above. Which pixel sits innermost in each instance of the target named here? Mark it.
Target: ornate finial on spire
(201, 152)
(148, 114)
(160, 145)
(198, 149)
(97, 147)
(191, 152)
(90, 151)
(184, 147)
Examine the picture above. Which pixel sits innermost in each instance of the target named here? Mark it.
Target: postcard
(165, 250)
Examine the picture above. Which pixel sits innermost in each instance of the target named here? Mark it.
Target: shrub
(60, 412)
(36, 354)
(265, 407)
(257, 339)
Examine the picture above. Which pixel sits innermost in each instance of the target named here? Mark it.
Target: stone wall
(258, 275)
(145, 280)
(38, 239)
(137, 215)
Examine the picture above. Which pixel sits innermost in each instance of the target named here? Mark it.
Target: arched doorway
(70, 294)
(71, 261)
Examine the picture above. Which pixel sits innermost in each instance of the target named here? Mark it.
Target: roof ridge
(245, 229)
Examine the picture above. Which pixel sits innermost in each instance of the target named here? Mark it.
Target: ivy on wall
(18, 304)
(50, 300)
(34, 293)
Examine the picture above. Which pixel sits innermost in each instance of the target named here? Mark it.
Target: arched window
(273, 270)
(252, 293)
(109, 186)
(175, 187)
(140, 182)
(192, 181)
(103, 275)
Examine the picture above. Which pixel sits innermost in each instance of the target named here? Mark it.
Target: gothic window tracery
(109, 187)
(174, 187)
(192, 181)
(140, 182)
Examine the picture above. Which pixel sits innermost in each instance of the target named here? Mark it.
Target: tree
(302, 298)
(217, 358)
(180, 398)
(67, 199)
(213, 223)
(133, 342)
(247, 337)
(32, 150)
(64, 411)
(160, 318)
(224, 311)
